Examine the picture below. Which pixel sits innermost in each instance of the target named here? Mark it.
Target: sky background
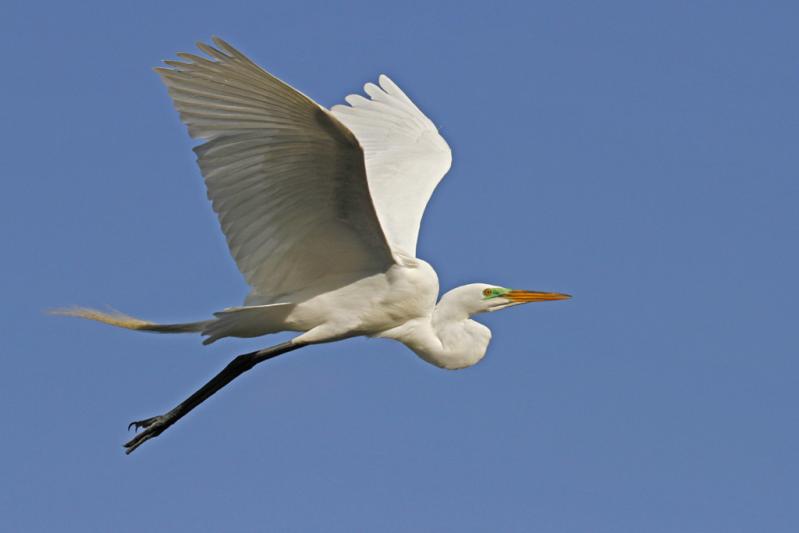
(639, 155)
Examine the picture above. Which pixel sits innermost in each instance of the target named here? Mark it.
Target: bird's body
(399, 304)
(321, 210)
(361, 305)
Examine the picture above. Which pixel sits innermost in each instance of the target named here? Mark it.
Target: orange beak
(534, 296)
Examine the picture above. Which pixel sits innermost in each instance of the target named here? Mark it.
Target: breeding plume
(321, 211)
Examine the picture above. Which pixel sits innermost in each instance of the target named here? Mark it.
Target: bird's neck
(447, 338)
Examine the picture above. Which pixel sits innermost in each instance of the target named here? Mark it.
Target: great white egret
(321, 211)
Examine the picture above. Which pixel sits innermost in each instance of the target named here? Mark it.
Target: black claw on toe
(152, 428)
(147, 422)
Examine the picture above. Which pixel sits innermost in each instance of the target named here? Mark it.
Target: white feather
(286, 178)
(406, 157)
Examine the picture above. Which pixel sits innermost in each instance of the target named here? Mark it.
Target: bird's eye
(487, 292)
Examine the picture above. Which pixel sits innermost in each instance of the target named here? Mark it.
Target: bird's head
(482, 298)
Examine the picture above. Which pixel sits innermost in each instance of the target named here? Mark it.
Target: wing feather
(406, 157)
(286, 178)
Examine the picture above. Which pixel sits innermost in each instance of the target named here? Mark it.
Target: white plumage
(405, 157)
(286, 178)
(321, 211)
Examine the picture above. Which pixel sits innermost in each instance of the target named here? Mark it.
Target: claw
(147, 422)
(152, 428)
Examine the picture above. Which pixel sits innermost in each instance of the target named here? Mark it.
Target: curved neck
(447, 338)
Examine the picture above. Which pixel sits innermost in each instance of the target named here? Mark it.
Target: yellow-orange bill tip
(535, 296)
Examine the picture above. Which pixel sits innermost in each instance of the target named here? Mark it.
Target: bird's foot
(153, 427)
(139, 424)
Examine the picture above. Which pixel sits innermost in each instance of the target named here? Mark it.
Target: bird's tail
(122, 320)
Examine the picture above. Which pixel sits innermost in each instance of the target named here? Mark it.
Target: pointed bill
(519, 296)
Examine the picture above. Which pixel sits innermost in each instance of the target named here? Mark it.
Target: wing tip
(223, 51)
(221, 43)
(388, 85)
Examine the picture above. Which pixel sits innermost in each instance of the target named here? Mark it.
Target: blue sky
(639, 155)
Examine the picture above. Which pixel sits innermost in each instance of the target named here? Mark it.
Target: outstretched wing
(286, 178)
(405, 157)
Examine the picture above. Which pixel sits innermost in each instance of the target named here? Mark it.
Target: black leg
(156, 425)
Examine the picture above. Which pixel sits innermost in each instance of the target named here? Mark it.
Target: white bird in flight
(321, 211)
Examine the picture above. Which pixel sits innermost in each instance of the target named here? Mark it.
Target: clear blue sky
(639, 155)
